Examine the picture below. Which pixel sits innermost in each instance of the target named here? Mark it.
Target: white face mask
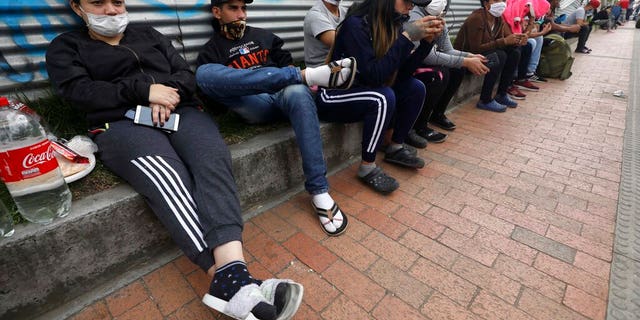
(106, 25)
(333, 2)
(436, 7)
(497, 9)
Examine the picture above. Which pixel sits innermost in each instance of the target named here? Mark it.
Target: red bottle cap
(4, 102)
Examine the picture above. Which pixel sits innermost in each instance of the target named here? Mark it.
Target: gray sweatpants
(185, 177)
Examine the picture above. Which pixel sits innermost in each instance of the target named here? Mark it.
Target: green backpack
(556, 59)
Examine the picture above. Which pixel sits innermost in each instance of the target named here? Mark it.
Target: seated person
(485, 32)
(601, 19)
(441, 72)
(246, 69)
(185, 176)
(577, 18)
(372, 32)
(320, 25)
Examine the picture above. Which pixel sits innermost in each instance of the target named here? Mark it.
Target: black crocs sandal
(329, 214)
(404, 158)
(380, 181)
(335, 75)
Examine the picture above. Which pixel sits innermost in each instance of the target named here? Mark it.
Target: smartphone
(143, 117)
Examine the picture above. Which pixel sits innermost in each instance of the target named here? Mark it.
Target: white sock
(319, 76)
(324, 201)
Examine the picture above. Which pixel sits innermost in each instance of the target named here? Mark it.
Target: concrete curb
(111, 235)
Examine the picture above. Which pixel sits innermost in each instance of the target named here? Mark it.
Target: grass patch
(65, 122)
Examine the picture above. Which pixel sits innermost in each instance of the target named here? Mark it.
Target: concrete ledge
(111, 233)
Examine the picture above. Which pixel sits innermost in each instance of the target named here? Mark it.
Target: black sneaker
(404, 158)
(536, 78)
(432, 135)
(443, 122)
(415, 140)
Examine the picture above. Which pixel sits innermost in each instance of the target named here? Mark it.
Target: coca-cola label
(28, 162)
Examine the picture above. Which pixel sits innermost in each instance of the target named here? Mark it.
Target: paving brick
(383, 223)
(428, 248)
(351, 252)
(418, 222)
(274, 226)
(530, 277)
(585, 304)
(487, 220)
(456, 200)
(305, 312)
(447, 169)
(310, 252)
(373, 200)
(468, 247)
(452, 221)
(410, 188)
(343, 308)
(357, 229)
(126, 298)
(487, 182)
(593, 265)
(354, 285)
(401, 284)
(503, 200)
(551, 218)
(547, 200)
(540, 181)
(194, 310)
(505, 245)
(442, 308)
(490, 307)
(391, 250)
(96, 311)
(572, 275)
(409, 201)
(543, 244)
(185, 265)
(169, 288)
(348, 187)
(590, 196)
(593, 248)
(318, 293)
(459, 183)
(269, 253)
(585, 217)
(348, 205)
(520, 219)
(444, 281)
(394, 308)
(144, 311)
(598, 235)
(543, 308)
(486, 278)
(200, 281)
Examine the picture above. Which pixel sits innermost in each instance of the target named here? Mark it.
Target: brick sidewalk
(513, 219)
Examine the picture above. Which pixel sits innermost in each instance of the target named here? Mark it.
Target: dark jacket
(105, 81)
(258, 48)
(476, 36)
(354, 39)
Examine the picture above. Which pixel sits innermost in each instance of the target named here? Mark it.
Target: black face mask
(399, 18)
(234, 29)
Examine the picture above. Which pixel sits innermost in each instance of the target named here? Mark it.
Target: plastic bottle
(29, 168)
(18, 105)
(6, 222)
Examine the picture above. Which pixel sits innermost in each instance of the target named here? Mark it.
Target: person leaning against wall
(246, 69)
(441, 72)
(108, 68)
(485, 32)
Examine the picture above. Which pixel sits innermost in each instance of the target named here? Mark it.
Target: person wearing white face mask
(441, 72)
(320, 25)
(185, 176)
(484, 32)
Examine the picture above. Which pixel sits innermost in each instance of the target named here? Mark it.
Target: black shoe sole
(443, 126)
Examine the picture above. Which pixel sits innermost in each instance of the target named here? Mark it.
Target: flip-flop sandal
(404, 158)
(240, 305)
(284, 294)
(380, 181)
(330, 214)
(335, 75)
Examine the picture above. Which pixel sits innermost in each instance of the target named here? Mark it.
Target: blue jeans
(536, 44)
(269, 94)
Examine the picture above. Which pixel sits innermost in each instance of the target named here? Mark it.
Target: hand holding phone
(145, 116)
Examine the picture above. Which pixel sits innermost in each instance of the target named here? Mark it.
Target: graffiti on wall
(27, 26)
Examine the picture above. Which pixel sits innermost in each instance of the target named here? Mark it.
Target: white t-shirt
(318, 20)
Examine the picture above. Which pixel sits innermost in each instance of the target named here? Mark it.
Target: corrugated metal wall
(27, 26)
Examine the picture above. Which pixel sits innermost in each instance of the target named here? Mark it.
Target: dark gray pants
(184, 176)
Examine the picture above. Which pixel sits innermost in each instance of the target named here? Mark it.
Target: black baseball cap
(214, 2)
(419, 3)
